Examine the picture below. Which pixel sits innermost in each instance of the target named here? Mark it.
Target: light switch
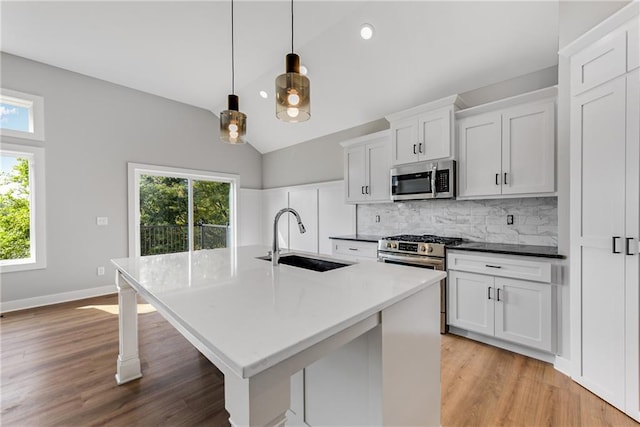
(102, 220)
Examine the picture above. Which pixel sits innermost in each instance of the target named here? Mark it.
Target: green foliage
(15, 217)
(163, 200)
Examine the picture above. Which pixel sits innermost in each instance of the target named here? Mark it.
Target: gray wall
(92, 129)
(321, 159)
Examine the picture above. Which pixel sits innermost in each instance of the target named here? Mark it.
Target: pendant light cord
(233, 70)
(291, 26)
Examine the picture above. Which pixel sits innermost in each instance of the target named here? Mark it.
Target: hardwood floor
(58, 366)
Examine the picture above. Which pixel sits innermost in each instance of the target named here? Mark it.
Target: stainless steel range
(425, 251)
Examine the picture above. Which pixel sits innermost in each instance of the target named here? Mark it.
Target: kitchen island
(261, 324)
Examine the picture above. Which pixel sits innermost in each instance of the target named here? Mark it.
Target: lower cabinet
(354, 250)
(511, 309)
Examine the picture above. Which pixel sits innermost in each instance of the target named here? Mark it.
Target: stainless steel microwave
(424, 180)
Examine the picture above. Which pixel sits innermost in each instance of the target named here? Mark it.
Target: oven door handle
(414, 260)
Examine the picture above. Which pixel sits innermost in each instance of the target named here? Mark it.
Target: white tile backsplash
(535, 219)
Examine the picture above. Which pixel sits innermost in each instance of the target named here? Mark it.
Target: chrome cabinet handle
(498, 294)
(613, 244)
(628, 245)
(489, 292)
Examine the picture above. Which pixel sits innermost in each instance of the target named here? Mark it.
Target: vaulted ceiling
(181, 50)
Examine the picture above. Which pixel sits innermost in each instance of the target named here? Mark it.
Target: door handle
(366, 189)
(505, 178)
(614, 240)
(434, 172)
(628, 245)
(493, 266)
(420, 148)
(414, 149)
(362, 189)
(489, 292)
(498, 294)
(497, 179)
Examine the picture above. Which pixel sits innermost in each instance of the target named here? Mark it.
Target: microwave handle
(434, 168)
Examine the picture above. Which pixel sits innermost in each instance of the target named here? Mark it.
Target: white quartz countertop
(252, 315)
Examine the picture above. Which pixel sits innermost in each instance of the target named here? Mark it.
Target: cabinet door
(633, 46)
(378, 169)
(273, 201)
(471, 301)
(335, 217)
(434, 134)
(528, 149)
(355, 173)
(479, 169)
(404, 141)
(305, 202)
(598, 215)
(523, 313)
(602, 61)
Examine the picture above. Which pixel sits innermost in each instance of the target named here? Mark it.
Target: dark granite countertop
(509, 249)
(359, 237)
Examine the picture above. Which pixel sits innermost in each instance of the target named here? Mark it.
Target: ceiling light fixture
(366, 31)
(233, 123)
(293, 103)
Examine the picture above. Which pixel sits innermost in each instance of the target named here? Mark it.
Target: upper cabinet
(507, 147)
(367, 165)
(425, 132)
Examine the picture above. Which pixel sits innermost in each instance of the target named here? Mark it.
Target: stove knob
(394, 245)
(423, 248)
(388, 245)
(430, 249)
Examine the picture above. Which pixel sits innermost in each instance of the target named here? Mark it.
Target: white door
(480, 169)
(528, 149)
(632, 259)
(355, 173)
(597, 275)
(523, 312)
(335, 217)
(471, 301)
(305, 202)
(404, 141)
(378, 171)
(434, 134)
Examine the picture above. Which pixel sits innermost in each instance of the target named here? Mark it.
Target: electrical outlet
(101, 271)
(509, 219)
(102, 220)
(377, 218)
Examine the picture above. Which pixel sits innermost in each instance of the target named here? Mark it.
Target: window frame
(35, 104)
(135, 170)
(37, 209)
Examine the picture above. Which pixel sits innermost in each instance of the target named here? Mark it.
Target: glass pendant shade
(233, 123)
(293, 102)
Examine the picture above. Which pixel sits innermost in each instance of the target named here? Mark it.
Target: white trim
(537, 96)
(23, 304)
(137, 169)
(35, 104)
(37, 192)
(562, 365)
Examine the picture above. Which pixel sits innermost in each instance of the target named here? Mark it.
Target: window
(21, 115)
(179, 210)
(22, 208)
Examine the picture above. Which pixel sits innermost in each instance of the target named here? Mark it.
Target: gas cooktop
(426, 238)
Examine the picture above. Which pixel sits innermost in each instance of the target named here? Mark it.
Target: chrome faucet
(275, 249)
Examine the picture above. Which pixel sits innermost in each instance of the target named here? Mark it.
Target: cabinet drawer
(353, 248)
(538, 271)
(600, 62)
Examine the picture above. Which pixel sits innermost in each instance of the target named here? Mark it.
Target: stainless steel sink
(315, 264)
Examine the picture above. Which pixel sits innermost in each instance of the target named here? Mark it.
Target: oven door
(422, 262)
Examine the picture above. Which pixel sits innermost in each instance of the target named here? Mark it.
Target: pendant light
(233, 123)
(293, 103)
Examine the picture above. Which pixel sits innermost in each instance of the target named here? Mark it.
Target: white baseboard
(25, 303)
(563, 365)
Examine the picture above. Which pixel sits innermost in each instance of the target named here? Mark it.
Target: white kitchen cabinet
(605, 210)
(354, 250)
(508, 151)
(425, 132)
(335, 216)
(367, 166)
(498, 303)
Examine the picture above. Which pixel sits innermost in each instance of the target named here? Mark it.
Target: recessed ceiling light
(366, 31)
(303, 70)
(264, 94)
